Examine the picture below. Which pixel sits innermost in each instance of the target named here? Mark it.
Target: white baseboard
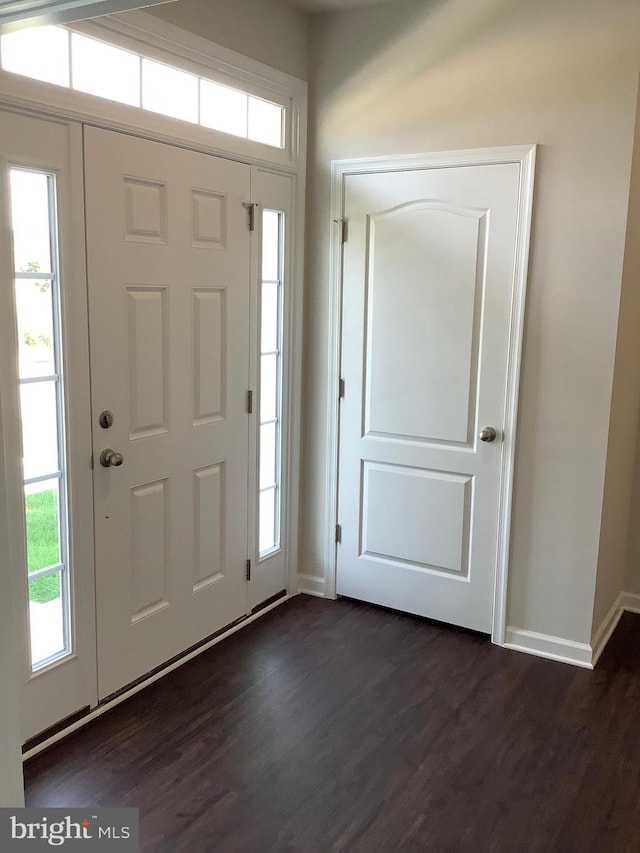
(626, 601)
(606, 629)
(311, 585)
(630, 601)
(579, 654)
(546, 646)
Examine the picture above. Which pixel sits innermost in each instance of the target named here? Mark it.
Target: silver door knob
(110, 459)
(488, 434)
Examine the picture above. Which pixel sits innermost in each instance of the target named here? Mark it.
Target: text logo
(35, 830)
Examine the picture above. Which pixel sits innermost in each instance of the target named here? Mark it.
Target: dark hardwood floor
(330, 726)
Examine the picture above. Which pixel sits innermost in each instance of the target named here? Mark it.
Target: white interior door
(168, 268)
(428, 284)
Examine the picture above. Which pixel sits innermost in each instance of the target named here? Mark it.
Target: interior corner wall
(616, 531)
(269, 31)
(416, 76)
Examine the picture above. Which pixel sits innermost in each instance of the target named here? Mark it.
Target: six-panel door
(168, 270)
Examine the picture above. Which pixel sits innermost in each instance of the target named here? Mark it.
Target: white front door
(428, 284)
(169, 275)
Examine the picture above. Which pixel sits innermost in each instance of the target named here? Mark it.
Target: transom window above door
(65, 58)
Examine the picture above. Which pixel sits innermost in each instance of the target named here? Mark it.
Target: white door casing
(168, 269)
(433, 273)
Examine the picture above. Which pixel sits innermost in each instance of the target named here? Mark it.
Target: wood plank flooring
(330, 726)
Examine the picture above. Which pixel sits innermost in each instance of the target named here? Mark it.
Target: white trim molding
(17, 14)
(155, 39)
(630, 601)
(603, 634)
(524, 156)
(567, 651)
(626, 601)
(312, 585)
(547, 646)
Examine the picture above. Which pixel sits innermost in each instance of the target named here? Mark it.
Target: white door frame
(524, 156)
(11, 782)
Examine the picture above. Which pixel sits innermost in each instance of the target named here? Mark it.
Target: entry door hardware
(251, 210)
(106, 419)
(343, 229)
(110, 459)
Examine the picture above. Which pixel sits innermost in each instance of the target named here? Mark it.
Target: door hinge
(91, 461)
(338, 533)
(343, 229)
(251, 210)
(248, 568)
(340, 388)
(250, 401)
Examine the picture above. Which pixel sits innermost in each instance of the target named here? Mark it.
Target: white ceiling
(332, 5)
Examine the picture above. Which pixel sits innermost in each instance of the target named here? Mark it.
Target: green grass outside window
(43, 544)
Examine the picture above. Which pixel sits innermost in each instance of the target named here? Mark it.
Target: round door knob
(488, 434)
(110, 459)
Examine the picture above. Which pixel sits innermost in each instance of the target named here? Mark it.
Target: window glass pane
(269, 387)
(270, 245)
(169, 91)
(268, 438)
(265, 122)
(35, 327)
(267, 537)
(30, 221)
(222, 108)
(103, 70)
(269, 330)
(43, 525)
(39, 416)
(41, 53)
(46, 618)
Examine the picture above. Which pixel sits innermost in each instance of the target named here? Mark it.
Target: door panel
(423, 255)
(428, 281)
(168, 260)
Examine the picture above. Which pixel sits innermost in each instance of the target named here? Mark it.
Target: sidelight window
(269, 509)
(37, 297)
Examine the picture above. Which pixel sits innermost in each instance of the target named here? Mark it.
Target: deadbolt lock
(106, 419)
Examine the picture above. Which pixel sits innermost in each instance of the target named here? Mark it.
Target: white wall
(426, 76)
(617, 533)
(270, 31)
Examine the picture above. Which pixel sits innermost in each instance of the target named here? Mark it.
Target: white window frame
(276, 570)
(144, 34)
(64, 567)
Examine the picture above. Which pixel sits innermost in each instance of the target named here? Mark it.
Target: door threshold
(51, 731)
(65, 727)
